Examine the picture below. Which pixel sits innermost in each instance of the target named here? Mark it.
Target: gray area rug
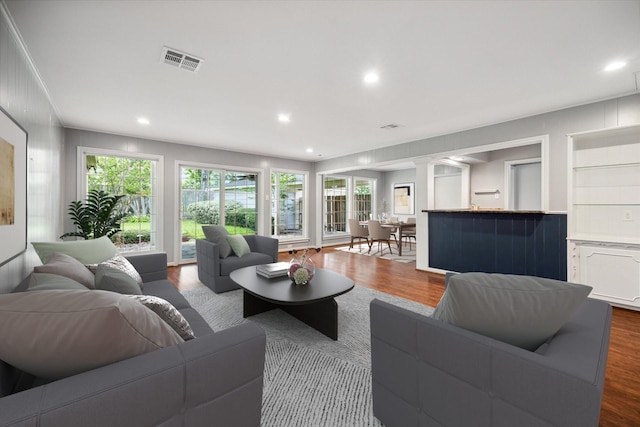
(310, 380)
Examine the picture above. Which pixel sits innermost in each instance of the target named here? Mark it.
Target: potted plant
(97, 216)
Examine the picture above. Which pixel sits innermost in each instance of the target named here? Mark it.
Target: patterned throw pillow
(120, 263)
(168, 313)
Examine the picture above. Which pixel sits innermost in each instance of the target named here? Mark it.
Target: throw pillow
(65, 265)
(520, 310)
(86, 251)
(168, 313)
(47, 282)
(58, 333)
(239, 245)
(120, 263)
(218, 234)
(112, 279)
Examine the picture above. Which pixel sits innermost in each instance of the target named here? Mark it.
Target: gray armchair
(214, 271)
(428, 372)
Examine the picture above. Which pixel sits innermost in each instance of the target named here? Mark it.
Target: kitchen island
(498, 241)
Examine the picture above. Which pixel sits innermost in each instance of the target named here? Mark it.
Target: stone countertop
(482, 211)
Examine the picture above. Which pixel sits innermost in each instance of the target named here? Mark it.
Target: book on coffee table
(276, 269)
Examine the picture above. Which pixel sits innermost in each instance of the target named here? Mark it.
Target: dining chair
(394, 230)
(410, 233)
(380, 234)
(357, 232)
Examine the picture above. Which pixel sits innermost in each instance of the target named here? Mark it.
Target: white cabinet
(604, 213)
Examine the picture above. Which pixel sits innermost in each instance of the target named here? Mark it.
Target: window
(362, 203)
(288, 190)
(137, 178)
(240, 210)
(208, 199)
(335, 205)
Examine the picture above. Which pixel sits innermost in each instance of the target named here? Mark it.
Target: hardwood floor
(621, 401)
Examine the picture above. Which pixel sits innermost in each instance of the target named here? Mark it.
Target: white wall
(490, 175)
(398, 177)
(25, 99)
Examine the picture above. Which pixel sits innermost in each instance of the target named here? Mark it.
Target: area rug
(408, 254)
(310, 380)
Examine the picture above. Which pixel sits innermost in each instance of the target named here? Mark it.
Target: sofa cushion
(167, 313)
(58, 333)
(218, 234)
(239, 245)
(65, 265)
(120, 263)
(521, 310)
(48, 281)
(86, 251)
(232, 263)
(115, 280)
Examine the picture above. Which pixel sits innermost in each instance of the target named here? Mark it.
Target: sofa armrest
(214, 379)
(151, 266)
(263, 244)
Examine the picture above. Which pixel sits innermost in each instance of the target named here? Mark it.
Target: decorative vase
(301, 271)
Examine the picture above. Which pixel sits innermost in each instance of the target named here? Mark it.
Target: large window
(288, 191)
(362, 198)
(137, 179)
(345, 197)
(334, 205)
(215, 197)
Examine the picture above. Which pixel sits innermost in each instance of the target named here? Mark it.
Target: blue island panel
(499, 242)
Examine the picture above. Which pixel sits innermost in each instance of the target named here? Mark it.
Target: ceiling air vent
(390, 126)
(181, 60)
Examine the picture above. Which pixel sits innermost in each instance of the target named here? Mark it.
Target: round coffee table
(314, 303)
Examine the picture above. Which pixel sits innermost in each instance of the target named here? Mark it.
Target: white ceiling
(443, 66)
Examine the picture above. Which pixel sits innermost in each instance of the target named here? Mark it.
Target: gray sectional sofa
(214, 379)
(427, 372)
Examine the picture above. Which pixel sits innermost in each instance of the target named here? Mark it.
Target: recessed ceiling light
(143, 121)
(371, 77)
(309, 150)
(615, 66)
(284, 118)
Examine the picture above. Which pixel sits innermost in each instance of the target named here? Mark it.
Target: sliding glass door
(215, 197)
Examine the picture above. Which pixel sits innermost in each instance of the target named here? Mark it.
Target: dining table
(400, 225)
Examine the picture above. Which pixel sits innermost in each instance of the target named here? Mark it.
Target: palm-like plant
(96, 217)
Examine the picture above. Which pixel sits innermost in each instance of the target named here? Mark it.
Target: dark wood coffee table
(314, 304)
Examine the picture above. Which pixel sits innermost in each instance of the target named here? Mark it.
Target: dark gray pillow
(115, 280)
(218, 234)
(168, 313)
(520, 310)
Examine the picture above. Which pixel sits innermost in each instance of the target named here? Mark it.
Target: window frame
(305, 206)
(157, 187)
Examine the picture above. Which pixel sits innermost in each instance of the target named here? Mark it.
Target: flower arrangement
(301, 269)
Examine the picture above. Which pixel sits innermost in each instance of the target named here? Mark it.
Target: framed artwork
(13, 188)
(403, 199)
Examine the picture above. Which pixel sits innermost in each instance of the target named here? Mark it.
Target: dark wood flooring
(621, 402)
